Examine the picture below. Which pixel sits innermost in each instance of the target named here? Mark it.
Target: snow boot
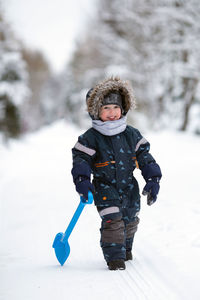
(116, 265)
(129, 255)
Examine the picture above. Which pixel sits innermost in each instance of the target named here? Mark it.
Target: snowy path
(37, 200)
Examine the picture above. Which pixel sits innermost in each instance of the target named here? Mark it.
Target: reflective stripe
(109, 210)
(84, 149)
(141, 142)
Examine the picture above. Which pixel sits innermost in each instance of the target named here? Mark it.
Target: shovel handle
(76, 215)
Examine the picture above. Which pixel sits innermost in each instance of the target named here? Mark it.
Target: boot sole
(120, 269)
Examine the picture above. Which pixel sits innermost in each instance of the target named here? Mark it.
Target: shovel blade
(62, 249)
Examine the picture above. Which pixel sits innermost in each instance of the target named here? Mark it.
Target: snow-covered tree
(175, 77)
(34, 110)
(155, 45)
(13, 82)
(71, 98)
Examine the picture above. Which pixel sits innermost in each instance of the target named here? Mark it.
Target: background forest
(154, 44)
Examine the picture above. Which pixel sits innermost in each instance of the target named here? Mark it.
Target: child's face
(110, 112)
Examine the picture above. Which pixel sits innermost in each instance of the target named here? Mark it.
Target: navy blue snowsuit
(112, 160)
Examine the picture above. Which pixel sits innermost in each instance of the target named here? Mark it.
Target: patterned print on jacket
(112, 160)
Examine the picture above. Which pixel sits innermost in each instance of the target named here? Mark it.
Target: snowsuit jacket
(112, 160)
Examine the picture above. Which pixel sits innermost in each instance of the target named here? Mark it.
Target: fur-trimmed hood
(114, 84)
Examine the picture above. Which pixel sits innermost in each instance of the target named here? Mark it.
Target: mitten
(151, 189)
(83, 186)
(81, 176)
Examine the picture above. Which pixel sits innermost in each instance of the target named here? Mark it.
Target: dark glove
(83, 186)
(151, 189)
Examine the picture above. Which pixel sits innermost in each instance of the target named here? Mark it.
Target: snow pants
(118, 228)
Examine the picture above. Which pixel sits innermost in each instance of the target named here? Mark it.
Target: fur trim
(113, 84)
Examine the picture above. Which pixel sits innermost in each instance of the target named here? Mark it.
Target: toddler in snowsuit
(111, 150)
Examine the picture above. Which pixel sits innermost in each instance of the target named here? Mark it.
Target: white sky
(49, 25)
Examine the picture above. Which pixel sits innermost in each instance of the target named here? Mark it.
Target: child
(111, 150)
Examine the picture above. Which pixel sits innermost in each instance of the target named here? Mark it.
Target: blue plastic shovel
(60, 244)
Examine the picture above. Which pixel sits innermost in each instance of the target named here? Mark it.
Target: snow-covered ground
(38, 199)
